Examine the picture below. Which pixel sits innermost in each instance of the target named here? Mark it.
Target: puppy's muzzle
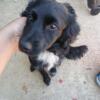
(31, 48)
(25, 46)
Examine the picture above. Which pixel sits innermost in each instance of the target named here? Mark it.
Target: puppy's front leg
(32, 68)
(46, 77)
(32, 64)
(76, 52)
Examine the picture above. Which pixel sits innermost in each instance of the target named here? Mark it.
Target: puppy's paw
(53, 72)
(32, 68)
(95, 11)
(77, 52)
(47, 80)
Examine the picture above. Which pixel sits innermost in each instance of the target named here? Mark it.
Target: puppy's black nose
(26, 46)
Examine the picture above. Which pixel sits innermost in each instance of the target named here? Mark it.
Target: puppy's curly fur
(50, 29)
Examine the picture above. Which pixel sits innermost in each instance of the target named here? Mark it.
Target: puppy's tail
(77, 52)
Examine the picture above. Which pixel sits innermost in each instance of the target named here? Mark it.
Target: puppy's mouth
(32, 53)
(34, 50)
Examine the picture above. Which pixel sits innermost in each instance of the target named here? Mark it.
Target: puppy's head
(47, 21)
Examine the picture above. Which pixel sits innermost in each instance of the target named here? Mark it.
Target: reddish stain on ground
(60, 81)
(74, 98)
(25, 88)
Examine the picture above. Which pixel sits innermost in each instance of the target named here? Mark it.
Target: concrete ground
(75, 80)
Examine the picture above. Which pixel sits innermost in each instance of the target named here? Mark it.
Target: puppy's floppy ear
(31, 4)
(72, 28)
(28, 9)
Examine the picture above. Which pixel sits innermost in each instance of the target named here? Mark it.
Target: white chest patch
(48, 57)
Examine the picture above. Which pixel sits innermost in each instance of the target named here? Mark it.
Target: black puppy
(50, 29)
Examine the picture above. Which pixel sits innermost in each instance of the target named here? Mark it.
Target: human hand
(11, 33)
(9, 39)
(16, 26)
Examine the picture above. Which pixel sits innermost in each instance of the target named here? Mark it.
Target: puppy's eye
(51, 26)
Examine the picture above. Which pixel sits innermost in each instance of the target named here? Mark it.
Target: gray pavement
(75, 80)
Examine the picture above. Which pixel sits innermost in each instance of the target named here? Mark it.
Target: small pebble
(84, 82)
(74, 98)
(43, 92)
